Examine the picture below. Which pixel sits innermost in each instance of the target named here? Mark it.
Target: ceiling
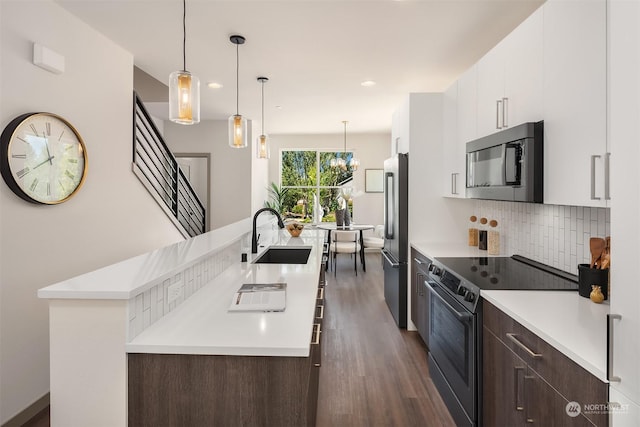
(315, 53)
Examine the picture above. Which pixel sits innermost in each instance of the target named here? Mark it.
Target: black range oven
(455, 321)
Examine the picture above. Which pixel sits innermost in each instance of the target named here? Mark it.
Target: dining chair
(345, 242)
(377, 240)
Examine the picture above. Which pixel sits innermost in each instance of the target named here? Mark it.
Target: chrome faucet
(254, 238)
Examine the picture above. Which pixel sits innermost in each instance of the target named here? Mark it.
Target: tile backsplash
(551, 234)
(151, 305)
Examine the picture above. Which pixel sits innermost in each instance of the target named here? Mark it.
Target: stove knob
(462, 291)
(435, 270)
(469, 296)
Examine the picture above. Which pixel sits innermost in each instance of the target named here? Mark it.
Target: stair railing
(157, 168)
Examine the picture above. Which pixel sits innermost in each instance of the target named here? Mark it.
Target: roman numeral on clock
(48, 129)
(18, 156)
(22, 172)
(69, 174)
(33, 128)
(34, 184)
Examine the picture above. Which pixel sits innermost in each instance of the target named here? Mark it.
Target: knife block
(588, 276)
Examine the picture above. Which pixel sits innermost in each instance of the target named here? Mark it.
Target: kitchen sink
(284, 255)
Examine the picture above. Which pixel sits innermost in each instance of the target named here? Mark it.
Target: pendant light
(237, 123)
(263, 142)
(184, 88)
(339, 162)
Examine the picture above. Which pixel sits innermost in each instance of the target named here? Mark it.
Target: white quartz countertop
(133, 276)
(573, 325)
(203, 325)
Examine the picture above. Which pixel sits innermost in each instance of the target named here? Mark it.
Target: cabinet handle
(610, 319)
(454, 183)
(316, 331)
(517, 342)
(320, 293)
(516, 383)
(593, 176)
(505, 114)
(419, 279)
(607, 196)
(417, 261)
(498, 108)
(528, 419)
(321, 316)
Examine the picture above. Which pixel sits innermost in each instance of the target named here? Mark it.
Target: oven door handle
(464, 317)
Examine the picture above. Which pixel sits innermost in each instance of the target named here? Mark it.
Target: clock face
(43, 158)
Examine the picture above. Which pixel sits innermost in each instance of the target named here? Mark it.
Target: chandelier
(340, 162)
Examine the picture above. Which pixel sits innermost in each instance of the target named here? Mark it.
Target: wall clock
(43, 158)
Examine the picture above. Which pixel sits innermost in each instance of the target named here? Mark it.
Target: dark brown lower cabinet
(528, 382)
(503, 386)
(419, 294)
(203, 390)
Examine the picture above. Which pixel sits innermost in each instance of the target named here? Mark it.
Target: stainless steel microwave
(507, 165)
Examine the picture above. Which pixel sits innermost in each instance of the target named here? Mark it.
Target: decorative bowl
(295, 228)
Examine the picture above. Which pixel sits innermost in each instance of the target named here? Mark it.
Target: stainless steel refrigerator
(395, 252)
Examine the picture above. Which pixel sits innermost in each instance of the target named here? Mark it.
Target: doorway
(197, 169)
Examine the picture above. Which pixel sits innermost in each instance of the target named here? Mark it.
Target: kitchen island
(106, 326)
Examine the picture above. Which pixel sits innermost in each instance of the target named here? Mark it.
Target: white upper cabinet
(453, 148)
(467, 104)
(574, 87)
(624, 136)
(510, 79)
(523, 72)
(491, 69)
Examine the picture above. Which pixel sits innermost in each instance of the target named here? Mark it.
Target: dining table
(331, 226)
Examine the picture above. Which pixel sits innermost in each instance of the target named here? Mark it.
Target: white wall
(371, 149)
(110, 219)
(230, 167)
(259, 173)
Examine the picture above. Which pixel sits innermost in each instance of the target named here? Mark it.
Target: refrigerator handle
(389, 203)
(393, 264)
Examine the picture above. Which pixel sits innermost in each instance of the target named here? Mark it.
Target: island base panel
(167, 389)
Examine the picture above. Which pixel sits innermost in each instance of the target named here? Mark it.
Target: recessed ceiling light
(214, 85)
(368, 83)
(279, 107)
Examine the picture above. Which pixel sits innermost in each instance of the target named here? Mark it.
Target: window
(305, 175)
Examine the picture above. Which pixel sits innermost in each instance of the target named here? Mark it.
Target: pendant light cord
(184, 35)
(237, 80)
(345, 139)
(262, 107)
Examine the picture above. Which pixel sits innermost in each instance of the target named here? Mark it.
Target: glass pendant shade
(354, 163)
(237, 131)
(184, 98)
(263, 147)
(237, 124)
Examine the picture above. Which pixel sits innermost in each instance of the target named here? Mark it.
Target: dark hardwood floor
(373, 374)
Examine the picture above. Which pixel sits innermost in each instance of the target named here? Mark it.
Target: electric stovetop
(510, 273)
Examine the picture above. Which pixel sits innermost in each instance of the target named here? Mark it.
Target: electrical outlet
(174, 292)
